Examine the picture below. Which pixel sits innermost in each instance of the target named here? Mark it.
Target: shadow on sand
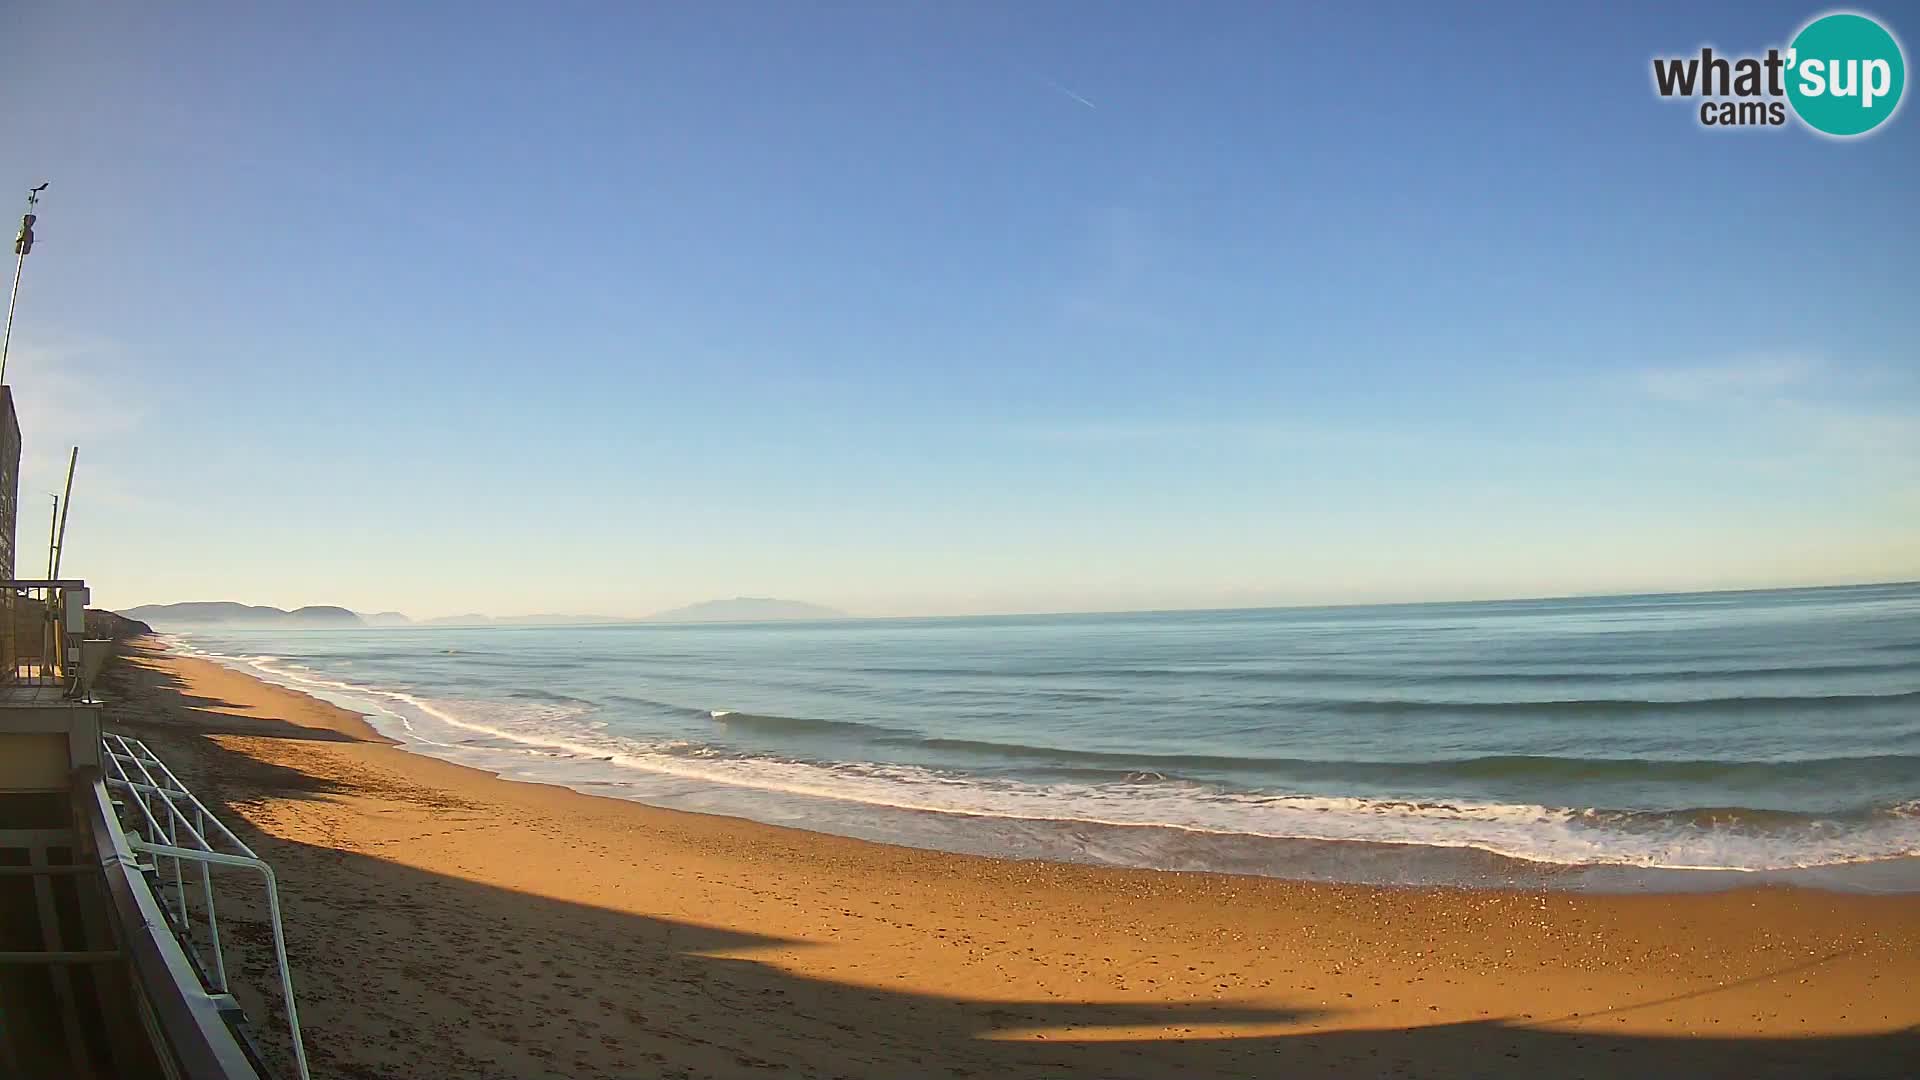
(489, 983)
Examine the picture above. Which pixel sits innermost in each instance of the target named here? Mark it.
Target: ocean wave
(1424, 673)
(1704, 839)
(801, 725)
(654, 705)
(1559, 675)
(1148, 791)
(1861, 768)
(1545, 709)
(534, 693)
(1748, 819)
(1582, 707)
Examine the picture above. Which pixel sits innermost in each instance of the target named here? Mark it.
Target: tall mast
(22, 245)
(66, 506)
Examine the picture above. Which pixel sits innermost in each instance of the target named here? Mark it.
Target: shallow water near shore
(1668, 742)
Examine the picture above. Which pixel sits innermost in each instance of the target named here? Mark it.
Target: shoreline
(446, 921)
(1077, 840)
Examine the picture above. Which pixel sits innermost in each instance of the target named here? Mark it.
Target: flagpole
(22, 244)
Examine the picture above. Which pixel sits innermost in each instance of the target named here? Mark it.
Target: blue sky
(919, 308)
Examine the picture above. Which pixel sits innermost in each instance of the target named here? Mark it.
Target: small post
(49, 618)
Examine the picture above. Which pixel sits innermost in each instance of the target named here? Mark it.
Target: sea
(1664, 742)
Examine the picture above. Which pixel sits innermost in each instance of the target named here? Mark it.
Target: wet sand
(444, 922)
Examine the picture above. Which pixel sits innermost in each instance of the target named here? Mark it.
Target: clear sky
(948, 307)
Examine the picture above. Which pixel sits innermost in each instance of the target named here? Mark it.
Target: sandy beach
(444, 922)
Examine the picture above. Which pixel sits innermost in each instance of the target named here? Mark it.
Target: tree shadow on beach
(407, 973)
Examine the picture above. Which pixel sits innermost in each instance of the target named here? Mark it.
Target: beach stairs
(110, 957)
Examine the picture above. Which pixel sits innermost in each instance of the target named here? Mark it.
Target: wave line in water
(1702, 839)
(1605, 706)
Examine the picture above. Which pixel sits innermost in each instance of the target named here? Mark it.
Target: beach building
(110, 955)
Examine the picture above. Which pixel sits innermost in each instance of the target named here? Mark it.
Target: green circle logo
(1845, 74)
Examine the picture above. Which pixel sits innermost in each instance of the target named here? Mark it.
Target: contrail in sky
(1072, 95)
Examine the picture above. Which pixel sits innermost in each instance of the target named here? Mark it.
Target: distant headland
(229, 614)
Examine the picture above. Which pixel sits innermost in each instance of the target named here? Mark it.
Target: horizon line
(483, 620)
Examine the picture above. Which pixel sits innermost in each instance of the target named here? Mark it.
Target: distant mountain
(747, 609)
(476, 619)
(471, 619)
(325, 613)
(224, 613)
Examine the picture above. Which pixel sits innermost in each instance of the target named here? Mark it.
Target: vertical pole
(66, 505)
(50, 616)
(213, 920)
(19, 264)
(286, 973)
(179, 879)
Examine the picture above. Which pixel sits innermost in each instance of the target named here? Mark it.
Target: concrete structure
(101, 970)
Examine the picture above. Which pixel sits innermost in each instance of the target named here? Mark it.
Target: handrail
(182, 1018)
(179, 839)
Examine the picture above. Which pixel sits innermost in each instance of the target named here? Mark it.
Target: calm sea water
(1762, 731)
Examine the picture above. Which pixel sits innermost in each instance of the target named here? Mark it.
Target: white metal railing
(177, 830)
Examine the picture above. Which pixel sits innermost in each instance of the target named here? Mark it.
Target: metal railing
(42, 624)
(187, 842)
(190, 1032)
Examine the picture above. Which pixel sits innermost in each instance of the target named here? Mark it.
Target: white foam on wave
(403, 710)
(1534, 833)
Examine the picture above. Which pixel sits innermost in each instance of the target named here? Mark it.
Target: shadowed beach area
(444, 922)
